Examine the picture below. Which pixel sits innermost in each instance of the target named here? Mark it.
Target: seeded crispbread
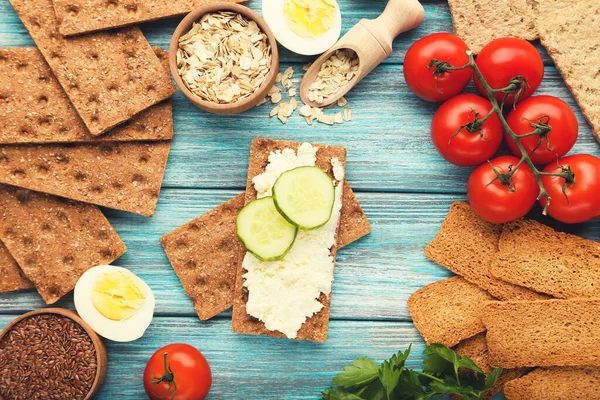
(205, 252)
(476, 349)
(571, 37)
(466, 245)
(84, 16)
(315, 328)
(558, 383)
(448, 311)
(109, 77)
(543, 333)
(54, 240)
(35, 108)
(11, 276)
(536, 256)
(122, 175)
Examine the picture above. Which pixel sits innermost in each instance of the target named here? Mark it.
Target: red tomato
(421, 79)
(177, 372)
(498, 203)
(473, 144)
(543, 110)
(506, 58)
(582, 201)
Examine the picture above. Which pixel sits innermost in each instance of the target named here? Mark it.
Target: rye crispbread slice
(572, 40)
(125, 176)
(205, 252)
(314, 328)
(536, 256)
(466, 245)
(54, 240)
(558, 383)
(542, 333)
(35, 108)
(84, 16)
(109, 77)
(448, 311)
(11, 275)
(476, 349)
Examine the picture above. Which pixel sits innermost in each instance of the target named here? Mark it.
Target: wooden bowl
(239, 106)
(101, 354)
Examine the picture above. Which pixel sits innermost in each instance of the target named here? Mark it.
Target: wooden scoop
(372, 42)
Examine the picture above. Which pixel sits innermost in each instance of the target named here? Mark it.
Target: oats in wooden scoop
(334, 74)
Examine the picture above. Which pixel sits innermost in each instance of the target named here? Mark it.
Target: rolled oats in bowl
(224, 58)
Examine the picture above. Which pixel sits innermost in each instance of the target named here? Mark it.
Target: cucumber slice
(263, 230)
(305, 197)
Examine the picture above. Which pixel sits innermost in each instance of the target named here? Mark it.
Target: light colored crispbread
(315, 328)
(572, 40)
(122, 175)
(54, 240)
(559, 383)
(11, 276)
(84, 16)
(35, 108)
(542, 333)
(448, 311)
(109, 77)
(466, 245)
(536, 256)
(205, 252)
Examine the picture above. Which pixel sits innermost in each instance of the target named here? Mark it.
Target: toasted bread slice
(559, 383)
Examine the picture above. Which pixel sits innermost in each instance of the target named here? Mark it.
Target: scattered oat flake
(275, 98)
(292, 92)
(347, 114)
(342, 101)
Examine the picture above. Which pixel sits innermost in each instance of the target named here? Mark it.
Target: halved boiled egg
(114, 302)
(305, 27)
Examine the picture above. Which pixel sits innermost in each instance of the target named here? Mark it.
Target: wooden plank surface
(403, 185)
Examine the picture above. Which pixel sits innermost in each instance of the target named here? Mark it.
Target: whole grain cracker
(466, 244)
(55, 240)
(121, 175)
(314, 328)
(84, 16)
(35, 108)
(558, 383)
(11, 275)
(205, 252)
(109, 76)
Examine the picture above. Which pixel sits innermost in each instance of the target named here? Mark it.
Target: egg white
(272, 11)
(119, 331)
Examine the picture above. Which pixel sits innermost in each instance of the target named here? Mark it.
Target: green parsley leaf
(492, 378)
(362, 372)
(339, 394)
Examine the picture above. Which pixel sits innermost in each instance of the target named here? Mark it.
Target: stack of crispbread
(207, 255)
(549, 284)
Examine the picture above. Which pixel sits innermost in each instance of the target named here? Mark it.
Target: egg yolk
(309, 18)
(117, 295)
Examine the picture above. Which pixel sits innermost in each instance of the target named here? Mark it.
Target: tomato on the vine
(499, 197)
(573, 200)
(421, 79)
(459, 134)
(505, 59)
(543, 112)
(177, 372)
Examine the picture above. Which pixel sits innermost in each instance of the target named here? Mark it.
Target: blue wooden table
(403, 185)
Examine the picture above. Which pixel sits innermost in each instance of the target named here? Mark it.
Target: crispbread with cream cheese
(109, 76)
(54, 240)
(205, 252)
(466, 245)
(558, 383)
(314, 328)
(121, 175)
(11, 275)
(86, 16)
(542, 333)
(448, 311)
(40, 111)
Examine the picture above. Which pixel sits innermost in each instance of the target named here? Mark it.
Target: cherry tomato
(582, 201)
(421, 79)
(475, 142)
(177, 372)
(543, 110)
(506, 58)
(499, 203)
